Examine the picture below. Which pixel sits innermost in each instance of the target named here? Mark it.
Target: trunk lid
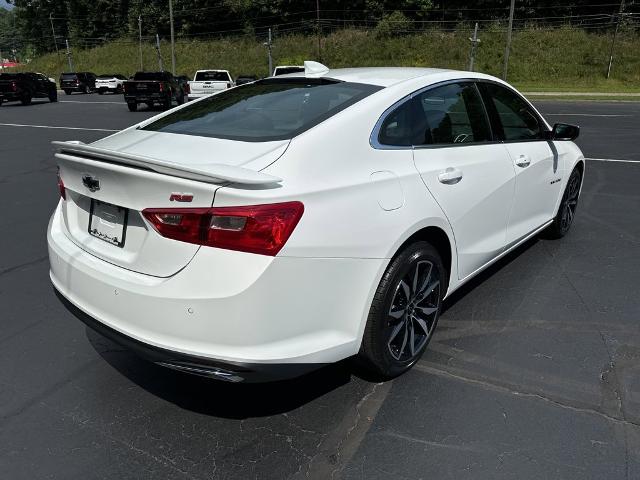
(142, 86)
(110, 182)
(206, 87)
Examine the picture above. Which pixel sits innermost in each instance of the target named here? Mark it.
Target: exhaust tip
(210, 372)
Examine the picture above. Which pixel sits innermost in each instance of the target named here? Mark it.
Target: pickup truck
(206, 82)
(286, 69)
(23, 87)
(110, 83)
(153, 88)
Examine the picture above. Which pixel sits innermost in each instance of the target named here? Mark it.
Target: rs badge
(180, 197)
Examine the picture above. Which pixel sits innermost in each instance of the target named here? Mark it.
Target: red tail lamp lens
(262, 229)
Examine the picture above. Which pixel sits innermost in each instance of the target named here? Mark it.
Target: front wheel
(404, 311)
(568, 206)
(26, 100)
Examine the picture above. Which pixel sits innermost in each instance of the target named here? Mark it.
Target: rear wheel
(133, 106)
(86, 89)
(100, 92)
(404, 311)
(26, 99)
(68, 92)
(166, 104)
(53, 96)
(181, 98)
(568, 205)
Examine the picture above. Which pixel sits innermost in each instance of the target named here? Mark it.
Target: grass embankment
(562, 59)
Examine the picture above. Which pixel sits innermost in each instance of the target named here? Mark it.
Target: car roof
(388, 76)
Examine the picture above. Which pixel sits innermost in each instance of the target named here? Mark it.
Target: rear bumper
(245, 311)
(207, 367)
(146, 98)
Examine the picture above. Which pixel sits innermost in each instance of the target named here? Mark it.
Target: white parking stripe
(60, 128)
(586, 115)
(99, 101)
(612, 160)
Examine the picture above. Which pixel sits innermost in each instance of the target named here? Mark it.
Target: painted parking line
(58, 128)
(612, 160)
(98, 101)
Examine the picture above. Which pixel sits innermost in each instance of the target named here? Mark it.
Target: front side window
(267, 110)
(517, 119)
(452, 114)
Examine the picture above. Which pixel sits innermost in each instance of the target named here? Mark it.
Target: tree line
(33, 27)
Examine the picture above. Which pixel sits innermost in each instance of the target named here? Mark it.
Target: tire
(53, 96)
(133, 106)
(68, 92)
(408, 301)
(86, 90)
(180, 99)
(567, 209)
(26, 100)
(166, 104)
(100, 92)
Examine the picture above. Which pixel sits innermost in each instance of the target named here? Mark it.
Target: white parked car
(287, 69)
(297, 221)
(110, 83)
(206, 82)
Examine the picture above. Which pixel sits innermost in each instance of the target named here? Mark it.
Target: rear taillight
(187, 89)
(161, 87)
(14, 86)
(262, 229)
(61, 189)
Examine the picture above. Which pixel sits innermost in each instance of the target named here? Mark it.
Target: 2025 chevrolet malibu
(300, 220)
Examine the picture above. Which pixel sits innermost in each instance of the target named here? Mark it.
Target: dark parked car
(242, 79)
(84, 82)
(24, 87)
(153, 88)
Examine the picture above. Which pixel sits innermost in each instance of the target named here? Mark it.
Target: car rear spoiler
(214, 173)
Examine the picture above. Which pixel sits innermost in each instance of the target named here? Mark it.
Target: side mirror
(564, 131)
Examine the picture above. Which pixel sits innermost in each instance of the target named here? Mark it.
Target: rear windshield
(151, 76)
(212, 76)
(286, 70)
(68, 76)
(10, 76)
(270, 109)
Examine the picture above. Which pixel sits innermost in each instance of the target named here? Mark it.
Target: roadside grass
(560, 59)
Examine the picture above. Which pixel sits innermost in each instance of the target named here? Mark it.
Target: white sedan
(303, 219)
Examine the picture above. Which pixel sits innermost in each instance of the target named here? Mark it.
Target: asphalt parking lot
(534, 371)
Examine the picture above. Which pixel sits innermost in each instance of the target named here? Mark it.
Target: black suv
(84, 82)
(23, 87)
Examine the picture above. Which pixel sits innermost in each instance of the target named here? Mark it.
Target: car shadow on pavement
(217, 398)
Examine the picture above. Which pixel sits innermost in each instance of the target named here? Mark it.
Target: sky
(4, 4)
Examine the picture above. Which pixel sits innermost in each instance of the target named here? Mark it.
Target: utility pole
(53, 32)
(318, 31)
(140, 40)
(173, 46)
(474, 43)
(66, 41)
(506, 52)
(160, 65)
(613, 41)
(268, 44)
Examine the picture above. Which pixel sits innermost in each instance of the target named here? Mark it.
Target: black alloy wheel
(568, 206)
(405, 311)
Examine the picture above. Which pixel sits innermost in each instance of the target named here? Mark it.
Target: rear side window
(267, 110)
(452, 114)
(399, 127)
(69, 76)
(150, 76)
(212, 76)
(517, 119)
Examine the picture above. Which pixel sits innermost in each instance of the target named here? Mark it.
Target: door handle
(523, 161)
(450, 176)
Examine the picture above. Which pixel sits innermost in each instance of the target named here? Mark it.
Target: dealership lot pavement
(534, 371)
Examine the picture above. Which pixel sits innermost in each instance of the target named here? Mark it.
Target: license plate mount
(108, 222)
